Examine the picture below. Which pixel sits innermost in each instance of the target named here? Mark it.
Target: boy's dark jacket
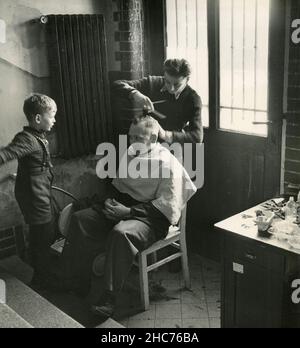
(34, 178)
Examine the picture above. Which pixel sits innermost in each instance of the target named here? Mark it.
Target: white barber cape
(156, 177)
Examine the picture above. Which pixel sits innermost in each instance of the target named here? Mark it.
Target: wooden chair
(175, 238)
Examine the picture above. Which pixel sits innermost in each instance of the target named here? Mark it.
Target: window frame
(156, 44)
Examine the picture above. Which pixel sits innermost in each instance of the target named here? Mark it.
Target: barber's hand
(142, 101)
(165, 135)
(114, 210)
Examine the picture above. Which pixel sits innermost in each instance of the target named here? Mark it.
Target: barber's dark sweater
(183, 114)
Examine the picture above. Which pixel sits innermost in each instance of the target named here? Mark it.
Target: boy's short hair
(177, 67)
(37, 103)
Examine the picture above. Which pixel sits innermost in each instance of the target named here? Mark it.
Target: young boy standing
(33, 184)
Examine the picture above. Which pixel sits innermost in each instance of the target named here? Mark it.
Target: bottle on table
(290, 209)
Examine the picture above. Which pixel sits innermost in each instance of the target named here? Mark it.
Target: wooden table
(257, 275)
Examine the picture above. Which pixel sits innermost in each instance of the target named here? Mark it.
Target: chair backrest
(182, 221)
(64, 219)
(181, 226)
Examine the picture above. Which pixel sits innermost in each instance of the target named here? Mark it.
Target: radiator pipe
(44, 19)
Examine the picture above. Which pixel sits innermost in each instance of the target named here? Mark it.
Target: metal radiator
(79, 74)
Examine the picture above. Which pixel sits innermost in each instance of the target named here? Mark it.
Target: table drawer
(240, 250)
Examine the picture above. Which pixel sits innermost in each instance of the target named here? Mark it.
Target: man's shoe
(104, 310)
(106, 306)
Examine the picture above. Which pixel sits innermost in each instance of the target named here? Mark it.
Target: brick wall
(292, 160)
(130, 51)
(12, 242)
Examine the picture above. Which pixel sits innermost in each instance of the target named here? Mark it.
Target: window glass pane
(171, 24)
(244, 41)
(262, 55)
(181, 23)
(237, 34)
(249, 56)
(205, 116)
(225, 118)
(187, 38)
(240, 120)
(226, 53)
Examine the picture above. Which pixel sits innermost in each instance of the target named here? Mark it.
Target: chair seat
(172, 236)
(173, 229)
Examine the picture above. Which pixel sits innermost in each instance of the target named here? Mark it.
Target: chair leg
(185, 266)
(2, 291)
(144, 284)
(154, 260)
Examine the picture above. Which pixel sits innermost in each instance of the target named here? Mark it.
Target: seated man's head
(144, 131)
(177, 73)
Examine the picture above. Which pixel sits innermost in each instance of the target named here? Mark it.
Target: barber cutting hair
(170, 100)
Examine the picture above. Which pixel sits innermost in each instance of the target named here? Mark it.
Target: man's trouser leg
(125, 240)
(86, 239)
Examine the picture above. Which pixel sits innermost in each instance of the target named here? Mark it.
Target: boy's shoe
(106, 306)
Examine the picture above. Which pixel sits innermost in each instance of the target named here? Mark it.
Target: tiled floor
(174, 308)
(177, 307)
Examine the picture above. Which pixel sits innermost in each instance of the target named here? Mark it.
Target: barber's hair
(147, 122)
(37, 103)
(177, 67)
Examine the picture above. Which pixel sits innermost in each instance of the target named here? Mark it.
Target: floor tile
(168, 297)
(213, 296)
(168, 323)
(198, 284)
(214, 310)
(195, 273)
(165, 311)
(196, 296)
(194, 311)
(195, 323)
(146, 315)
(212, 284)
(124, 321)
(165, 274)
(171, 284)
(215, 323)
(140, 324)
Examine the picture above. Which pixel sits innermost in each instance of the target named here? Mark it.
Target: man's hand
(141, 101)
(115, 211)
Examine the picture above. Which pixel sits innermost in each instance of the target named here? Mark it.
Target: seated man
(138, 212)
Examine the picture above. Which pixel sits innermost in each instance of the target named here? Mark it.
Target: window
(244, 42)
(187, 38)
